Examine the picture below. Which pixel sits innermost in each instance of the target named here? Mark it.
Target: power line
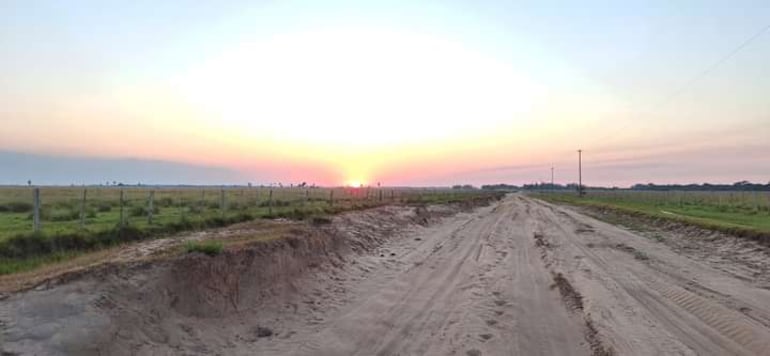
(674, 94)
(714, 65)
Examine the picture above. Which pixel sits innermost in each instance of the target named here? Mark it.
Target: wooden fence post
(181, 206)
(36, 209)
(756, 202)
(150, 207)
(122, 215)
(222, 201)
(270, 203)
(331, 197)
(83, 210)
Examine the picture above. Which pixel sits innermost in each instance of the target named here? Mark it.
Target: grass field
(70, 224)
(740, 213)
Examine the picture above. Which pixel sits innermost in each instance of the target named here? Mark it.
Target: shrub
(61, 214)
(18, 207)
(276, 203)
(210, 247)
(321, 220)
(294, 214)
(194, 209)
(103, 207)
(165, 202)
(138, 211)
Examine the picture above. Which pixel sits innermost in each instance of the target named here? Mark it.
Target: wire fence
(61, 210)
(750, 202)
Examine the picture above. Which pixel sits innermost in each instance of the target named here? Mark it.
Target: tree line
(737, 186)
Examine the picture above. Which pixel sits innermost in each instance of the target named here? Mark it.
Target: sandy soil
(518, 277)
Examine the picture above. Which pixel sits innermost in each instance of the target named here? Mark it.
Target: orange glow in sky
(403, 94)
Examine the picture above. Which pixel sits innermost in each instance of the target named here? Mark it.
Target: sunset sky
(398, 92)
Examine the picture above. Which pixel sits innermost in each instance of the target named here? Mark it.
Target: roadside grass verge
(208, 247)
(748, 224)
(27, 251)
(14, 265)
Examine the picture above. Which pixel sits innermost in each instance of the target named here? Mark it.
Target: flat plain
(516, 275)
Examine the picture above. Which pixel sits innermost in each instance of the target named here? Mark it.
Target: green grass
(209, 247)
(15, 265)
(174, 210)
(738, 219)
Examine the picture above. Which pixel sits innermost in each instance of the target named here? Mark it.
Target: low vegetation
(71, 225)
(208, 247)
(745, 214)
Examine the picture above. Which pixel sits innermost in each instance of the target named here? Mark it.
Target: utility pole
(580, 173)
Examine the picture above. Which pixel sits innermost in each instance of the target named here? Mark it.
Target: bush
(321, 220)
(165, 202)
(39, 244)
(294, 214)
(18, 207)
(138, 211)
(60, 214)
(194, 209)
(103, 207)
(276, 203)
(210, 247)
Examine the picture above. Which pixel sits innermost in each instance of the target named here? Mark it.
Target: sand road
(523, 277)
(518, 277)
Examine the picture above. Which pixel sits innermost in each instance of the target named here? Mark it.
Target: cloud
(520, 167)
(64, 170)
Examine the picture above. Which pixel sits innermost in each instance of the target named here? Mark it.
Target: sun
(355, 183)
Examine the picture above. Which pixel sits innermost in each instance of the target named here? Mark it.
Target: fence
(739, 201)
(67, 209)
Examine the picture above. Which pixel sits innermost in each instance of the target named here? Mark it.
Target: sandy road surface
(523, 277)
(518, 277)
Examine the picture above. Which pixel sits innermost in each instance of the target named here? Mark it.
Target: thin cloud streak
(58, 170)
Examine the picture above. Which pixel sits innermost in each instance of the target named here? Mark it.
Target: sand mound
(195, 303)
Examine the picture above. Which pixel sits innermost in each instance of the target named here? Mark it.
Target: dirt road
(519, 277)
(527, 278)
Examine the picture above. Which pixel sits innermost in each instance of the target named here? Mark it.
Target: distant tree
(29, 182)
(499, 187)
(463, 186)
